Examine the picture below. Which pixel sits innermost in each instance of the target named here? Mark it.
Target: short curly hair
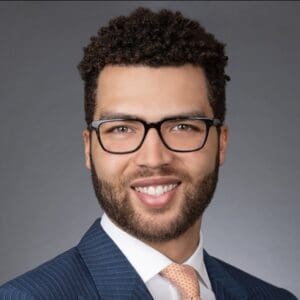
(155, 39)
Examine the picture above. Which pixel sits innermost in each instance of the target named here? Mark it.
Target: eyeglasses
(182, 134)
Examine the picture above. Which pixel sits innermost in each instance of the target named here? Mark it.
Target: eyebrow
(119, 115)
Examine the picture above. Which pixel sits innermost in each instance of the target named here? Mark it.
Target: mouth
(155, 192)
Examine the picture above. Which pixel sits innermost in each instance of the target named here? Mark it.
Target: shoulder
(63, 277)
(256, 287)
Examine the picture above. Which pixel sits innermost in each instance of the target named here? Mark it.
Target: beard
(115, 201)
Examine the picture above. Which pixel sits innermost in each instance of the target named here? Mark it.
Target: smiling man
(154, 181)
(155, 138)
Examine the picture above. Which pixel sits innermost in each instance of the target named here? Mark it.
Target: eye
(184, 127)
(120, 129)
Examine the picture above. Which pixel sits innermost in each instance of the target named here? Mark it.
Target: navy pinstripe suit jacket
(97, 269)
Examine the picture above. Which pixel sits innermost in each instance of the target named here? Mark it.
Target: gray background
(47, 200)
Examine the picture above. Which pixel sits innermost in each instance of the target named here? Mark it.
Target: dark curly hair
(164, 38)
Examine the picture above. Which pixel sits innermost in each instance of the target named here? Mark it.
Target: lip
(151, 201)
(151, 181)
(156, 202)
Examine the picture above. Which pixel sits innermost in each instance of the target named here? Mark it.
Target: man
(155, 138)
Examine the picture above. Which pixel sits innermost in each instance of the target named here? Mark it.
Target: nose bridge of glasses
(154, 125)
(153, 150)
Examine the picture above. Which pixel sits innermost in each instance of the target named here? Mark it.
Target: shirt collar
(147, 261)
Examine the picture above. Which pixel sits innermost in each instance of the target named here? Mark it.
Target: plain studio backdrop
(47, 199)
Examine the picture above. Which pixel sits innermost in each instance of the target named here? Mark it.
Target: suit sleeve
(286, 295)
(9, 292)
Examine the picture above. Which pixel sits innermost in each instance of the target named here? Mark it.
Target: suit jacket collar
(115, 278)
(224, 285)
(112, 273)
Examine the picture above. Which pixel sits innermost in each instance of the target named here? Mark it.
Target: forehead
(152, 93)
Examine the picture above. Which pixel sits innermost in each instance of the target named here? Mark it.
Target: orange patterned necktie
(184, 278)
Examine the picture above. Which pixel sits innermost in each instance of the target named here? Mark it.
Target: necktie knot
(184, 278)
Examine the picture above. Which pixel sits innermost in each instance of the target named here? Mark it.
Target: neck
(181, 248)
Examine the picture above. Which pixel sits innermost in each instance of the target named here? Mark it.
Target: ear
(86, 135)
(223, 142)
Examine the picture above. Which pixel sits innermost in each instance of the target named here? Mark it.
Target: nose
(153, 153)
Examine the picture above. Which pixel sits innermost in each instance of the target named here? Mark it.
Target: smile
(156, 190)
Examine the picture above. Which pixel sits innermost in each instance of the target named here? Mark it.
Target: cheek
(203, 162)
(199, 164)
(109, 166)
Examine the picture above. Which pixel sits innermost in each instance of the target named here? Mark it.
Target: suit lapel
(224, 285)
(116, 279)
(112, 273)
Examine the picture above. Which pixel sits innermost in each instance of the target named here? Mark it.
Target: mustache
(143, 172)
(166, 170)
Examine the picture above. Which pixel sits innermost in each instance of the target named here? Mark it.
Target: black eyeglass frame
(95, 125)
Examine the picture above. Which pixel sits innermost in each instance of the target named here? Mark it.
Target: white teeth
(156, 190)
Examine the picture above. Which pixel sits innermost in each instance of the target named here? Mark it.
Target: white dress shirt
(148, 262)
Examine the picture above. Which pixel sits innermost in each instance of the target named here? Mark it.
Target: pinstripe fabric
(64, 277)
(113, 275)
(229, 283)
(96, 269)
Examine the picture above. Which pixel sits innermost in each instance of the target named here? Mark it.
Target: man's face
(122, 182)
